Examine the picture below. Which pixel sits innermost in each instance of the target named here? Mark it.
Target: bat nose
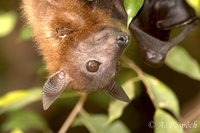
(123, 40)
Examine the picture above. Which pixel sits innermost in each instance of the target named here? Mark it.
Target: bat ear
(116, 91)
(53, 87)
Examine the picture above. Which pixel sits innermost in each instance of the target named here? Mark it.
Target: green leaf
(195, 126)
(116, 107)
(165, 123)
(24, 120)
(97, 124)
(132, 7)
(196, 5)
(179, 60)
(100, 99)
(162, 95)
(127, 79)
(16, 131)
(8, 21)
(17, 99)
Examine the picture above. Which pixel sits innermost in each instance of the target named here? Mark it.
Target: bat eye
(93, 66)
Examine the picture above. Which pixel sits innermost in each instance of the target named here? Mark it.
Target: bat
(152, 26)
(80, 45)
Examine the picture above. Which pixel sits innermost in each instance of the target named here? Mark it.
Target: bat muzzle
(123, 40)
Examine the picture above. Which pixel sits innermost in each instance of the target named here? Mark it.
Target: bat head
(90, 65)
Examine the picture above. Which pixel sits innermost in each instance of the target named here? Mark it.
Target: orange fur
(47, 17)
(80, 44)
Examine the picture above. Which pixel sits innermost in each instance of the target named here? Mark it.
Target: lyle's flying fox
(79, 43)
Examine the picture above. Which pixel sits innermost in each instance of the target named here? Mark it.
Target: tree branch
(73, 114)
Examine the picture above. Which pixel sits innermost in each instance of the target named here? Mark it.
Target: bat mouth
(153, 59)
(118, 66)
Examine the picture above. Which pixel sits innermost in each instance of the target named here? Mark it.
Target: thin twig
(141, 76)
(73, 114)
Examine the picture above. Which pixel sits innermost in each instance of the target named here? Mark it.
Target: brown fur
(80, 45)
(48, 17)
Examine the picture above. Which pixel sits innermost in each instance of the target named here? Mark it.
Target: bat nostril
(122, 40)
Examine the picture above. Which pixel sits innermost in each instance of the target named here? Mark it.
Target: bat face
(94, 62)
(152, 26)
(80, 45)
(91, 65)
(156, 20)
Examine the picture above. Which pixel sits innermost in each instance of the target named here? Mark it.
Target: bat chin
(153, 59)
(154, 63)
(118, 66)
